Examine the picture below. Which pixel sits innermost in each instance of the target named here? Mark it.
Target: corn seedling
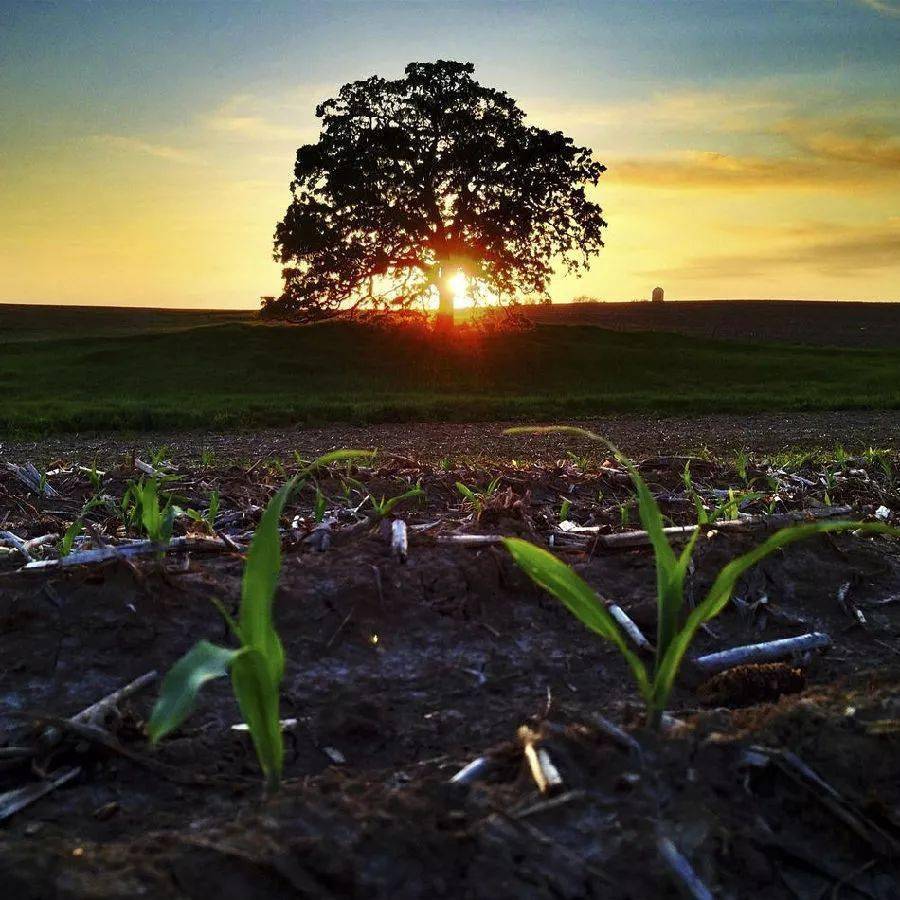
(384, 507)
(477, 498)
(144, 510)
(564, 509)
(741, 465)
(729, 508)
(207, 458)
(67, 541)
(159, 458)
(883, 460)
(672, 639)
(691, 491)
(841, 456)
(95, 477)
(319, 506)
(256, 666)
(580, 460)
(207, 518)
(350, 484)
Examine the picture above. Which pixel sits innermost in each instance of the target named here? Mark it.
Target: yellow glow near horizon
(459, 284)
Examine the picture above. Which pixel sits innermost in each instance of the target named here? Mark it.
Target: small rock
(107, 811)
(335, 755)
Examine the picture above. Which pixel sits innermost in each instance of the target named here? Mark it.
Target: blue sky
(148, 146)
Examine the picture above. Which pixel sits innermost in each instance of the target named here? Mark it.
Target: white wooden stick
(147, 469)
(546, 776)
(40, 541)
(96, 711)
(17, 543)
(399, 541)
(682, 872)
(14, 800)
(629, 627)
(31, 478)
(761, 653)
(474, 771)
(624, 540)
(122, 551)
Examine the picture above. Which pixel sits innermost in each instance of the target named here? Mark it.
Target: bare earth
(826, 323)
(634, 434)
(399, 674)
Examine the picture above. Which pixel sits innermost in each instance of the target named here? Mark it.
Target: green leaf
(335, 456)
(556, 429)
(467, 492)
(257, 695)
(259, 583)
(320, 505)
(183, 682)
(68, 539)
(387, 507)
(669, 577)
(213, 510)
(576, 595)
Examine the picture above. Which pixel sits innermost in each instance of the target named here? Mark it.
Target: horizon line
(592, 302)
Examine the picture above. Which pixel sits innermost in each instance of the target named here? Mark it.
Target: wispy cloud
(806, 153)
(254, 128)
(138, 145)
(288, 115)
(831, 249)
(884, 7)
(716, 171)
(871, 144)
(710, 110)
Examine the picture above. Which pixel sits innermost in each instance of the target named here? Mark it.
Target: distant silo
(657, 295)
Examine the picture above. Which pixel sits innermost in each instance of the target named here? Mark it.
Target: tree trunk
(444, 320)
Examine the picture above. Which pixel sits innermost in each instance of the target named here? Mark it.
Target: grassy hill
(26, 322)
(240, 373)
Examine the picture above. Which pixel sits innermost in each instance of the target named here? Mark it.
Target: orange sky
(753, 150)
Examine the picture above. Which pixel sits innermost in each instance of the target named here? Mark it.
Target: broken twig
(683, 874)
(399, 541)
(12, 801)
(770, 651)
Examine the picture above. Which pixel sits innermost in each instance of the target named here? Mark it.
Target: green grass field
(179, 372)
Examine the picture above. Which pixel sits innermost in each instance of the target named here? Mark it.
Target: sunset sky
(753, 148)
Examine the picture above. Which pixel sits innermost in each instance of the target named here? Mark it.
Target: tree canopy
(417, 179)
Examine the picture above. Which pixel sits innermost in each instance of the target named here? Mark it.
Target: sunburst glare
(459, 284)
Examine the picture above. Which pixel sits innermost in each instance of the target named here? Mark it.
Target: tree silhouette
(415, 180)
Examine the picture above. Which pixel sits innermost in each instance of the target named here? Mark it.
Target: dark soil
(638, 435)
(399, 675)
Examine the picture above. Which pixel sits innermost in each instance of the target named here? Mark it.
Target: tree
(417, 182)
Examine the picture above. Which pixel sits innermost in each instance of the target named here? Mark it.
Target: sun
(459, 284)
